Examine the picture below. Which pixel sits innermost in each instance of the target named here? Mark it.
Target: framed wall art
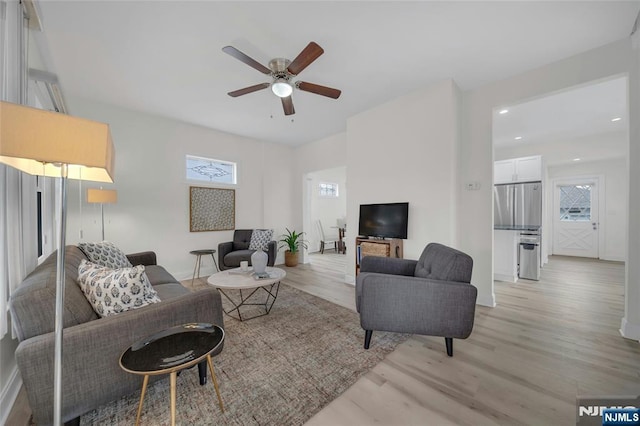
(211, 209)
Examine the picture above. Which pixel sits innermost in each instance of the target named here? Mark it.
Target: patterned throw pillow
(111, 291)
(105, 254)
(260, 239)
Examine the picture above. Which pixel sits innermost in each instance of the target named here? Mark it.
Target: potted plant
(293, 242)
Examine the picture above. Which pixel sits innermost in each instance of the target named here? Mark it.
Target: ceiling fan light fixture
(281, 88)
(282, 71)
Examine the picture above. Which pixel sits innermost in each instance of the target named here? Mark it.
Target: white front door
(575, 218)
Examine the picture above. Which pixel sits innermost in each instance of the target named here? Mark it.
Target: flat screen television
(384, 220)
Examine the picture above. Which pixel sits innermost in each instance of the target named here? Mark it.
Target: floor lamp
(47, 143)
(102, 196)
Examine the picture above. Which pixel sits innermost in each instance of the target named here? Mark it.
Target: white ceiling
(565, 116)
(165, 57)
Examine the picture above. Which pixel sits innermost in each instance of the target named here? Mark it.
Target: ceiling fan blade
(249, 89)
(305, 58)
(287, 105)
(230, 50)
(318, 90)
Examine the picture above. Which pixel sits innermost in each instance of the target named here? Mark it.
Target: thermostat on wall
(472, 186)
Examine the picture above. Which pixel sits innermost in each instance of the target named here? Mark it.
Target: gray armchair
(231, 253)
(431, 296)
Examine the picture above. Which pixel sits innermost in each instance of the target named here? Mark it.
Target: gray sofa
(231, 253)
(92, 346)
(431, 296)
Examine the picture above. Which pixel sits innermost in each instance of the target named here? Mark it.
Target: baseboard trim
(507, 278)
(613, 257)
(487, 301)
(9, 395)
(629, 330)
(205, 271)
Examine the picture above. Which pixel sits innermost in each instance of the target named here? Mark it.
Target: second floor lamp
(102, 197)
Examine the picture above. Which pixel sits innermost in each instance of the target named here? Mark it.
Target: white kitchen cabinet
(524, 169)
(504, 171)
(529, 169)
(505, 255)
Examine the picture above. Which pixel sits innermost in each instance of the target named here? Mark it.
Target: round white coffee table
(243, 289)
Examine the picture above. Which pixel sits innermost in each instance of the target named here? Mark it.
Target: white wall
(152, 212)
(326, 209)
(630, 324)
(475, 220)
(613, 224)
(405, 150)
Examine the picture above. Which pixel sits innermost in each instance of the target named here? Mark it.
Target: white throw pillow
(105, 254)
(260, 239)
(111, 291)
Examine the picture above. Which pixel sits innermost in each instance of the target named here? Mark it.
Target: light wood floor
(525, 362)
(323, 276)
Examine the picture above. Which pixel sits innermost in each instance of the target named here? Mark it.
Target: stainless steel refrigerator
(518, 205)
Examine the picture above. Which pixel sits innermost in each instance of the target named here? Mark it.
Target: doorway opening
(325, 212)
(581, 136)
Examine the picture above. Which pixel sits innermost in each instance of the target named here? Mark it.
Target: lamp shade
(102, 196)
(38, 141)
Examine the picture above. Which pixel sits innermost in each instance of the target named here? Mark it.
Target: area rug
(279, 369)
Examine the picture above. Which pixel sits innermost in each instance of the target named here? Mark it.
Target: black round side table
(171, 351)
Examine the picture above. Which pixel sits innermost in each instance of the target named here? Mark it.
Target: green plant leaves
(293, 241)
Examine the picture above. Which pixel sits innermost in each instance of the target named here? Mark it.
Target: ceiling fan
(282, 71)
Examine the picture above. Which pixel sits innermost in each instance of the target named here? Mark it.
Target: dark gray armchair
(431, 296)
(231, 253)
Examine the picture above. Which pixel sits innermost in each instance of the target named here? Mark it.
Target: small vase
(259, 261)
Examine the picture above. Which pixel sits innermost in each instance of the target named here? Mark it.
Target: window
(44, 216)
(39, 220)
(575, 203)
(44, 191)
(328, 189)
(211, 170)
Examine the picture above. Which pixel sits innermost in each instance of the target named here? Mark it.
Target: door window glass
(575, 203)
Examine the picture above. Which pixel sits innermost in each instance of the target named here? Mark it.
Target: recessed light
(503, 111)
(576, 159)
(616, 119)
(518, 138)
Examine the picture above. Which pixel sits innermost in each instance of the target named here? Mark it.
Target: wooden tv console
(377, 247)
